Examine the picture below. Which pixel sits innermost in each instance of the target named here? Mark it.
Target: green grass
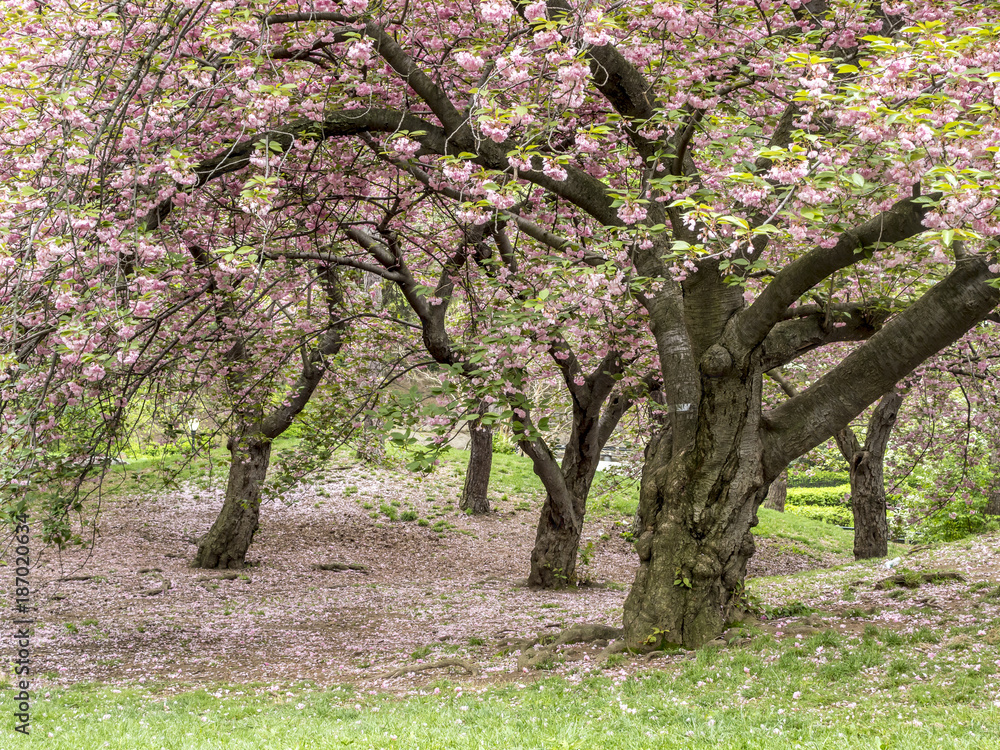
(809, 535)
(830, 691)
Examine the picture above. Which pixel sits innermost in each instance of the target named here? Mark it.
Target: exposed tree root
(583, 633)
(462, 663)
(227, 576)
(158, 590)
(340, 566)
(914, 580)
(532, 657)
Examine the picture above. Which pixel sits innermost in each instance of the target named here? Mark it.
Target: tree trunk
(227, 542)
(477, 475)
(871, 527)
(993, 492)
(777, 493)
(370, 446)
(993, 503)
(557, 541)
(567, 485)
(698, 507)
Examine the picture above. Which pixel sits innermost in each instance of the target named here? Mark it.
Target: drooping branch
(432, 317)
(315, 362)
(336, 124)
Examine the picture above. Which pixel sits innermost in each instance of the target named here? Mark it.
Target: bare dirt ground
(132, 610)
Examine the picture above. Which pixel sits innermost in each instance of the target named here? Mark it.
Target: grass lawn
(871, 690)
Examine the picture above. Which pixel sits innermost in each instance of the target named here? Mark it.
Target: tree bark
(557, 542)
(477, 475)
(777, 493)
(560, 525)
(868, 505)
(227, 542)
(698, 506)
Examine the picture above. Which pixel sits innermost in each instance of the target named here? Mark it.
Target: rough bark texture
(557, 537)
(777, 493)
(227, 542)
(597, 409)
(871, 527)
(698, 509)
(557, 541)
(477, 475)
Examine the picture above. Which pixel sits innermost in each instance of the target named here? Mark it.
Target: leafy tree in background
(729, 174)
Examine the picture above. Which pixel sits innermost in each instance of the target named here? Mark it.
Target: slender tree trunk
(370, 445)
(993, 503)
(560, 525)
(993, 493)
(227, 542)
(777, 493)
(697, 509)
(477, 475)
(868, 505)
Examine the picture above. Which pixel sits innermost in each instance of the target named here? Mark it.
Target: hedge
(821, 496)
(818, 479)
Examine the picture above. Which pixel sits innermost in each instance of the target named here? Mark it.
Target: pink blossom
(469, 61)
(93, 372)
(632, 213)
(495, 11)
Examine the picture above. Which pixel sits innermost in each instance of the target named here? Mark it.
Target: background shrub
(817, 478)
(838, 496)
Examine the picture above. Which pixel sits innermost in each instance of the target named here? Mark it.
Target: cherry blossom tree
(722, 173)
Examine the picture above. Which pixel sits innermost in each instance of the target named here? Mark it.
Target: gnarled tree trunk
(477, 475)
(698, 508)
(560, 525)
(993, 503)
(557, 539)
(871, 526)
(777, 493)
(993, 492)
(227, 542)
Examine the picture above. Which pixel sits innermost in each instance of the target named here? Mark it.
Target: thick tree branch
(940, 317)
(337, 260)
(784, 383)
(790, 339)
(902, 221)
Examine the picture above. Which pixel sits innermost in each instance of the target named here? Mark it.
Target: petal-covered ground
(132, 610)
